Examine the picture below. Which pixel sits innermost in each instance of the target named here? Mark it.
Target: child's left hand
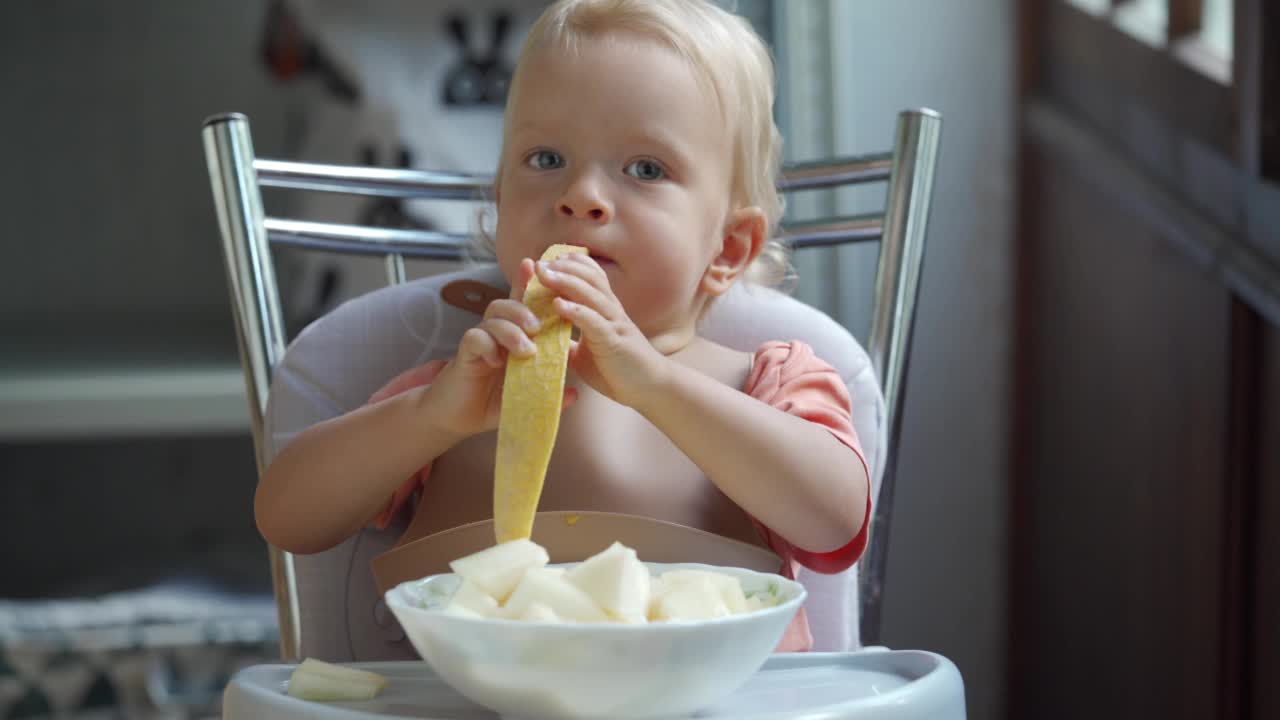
(612, 355)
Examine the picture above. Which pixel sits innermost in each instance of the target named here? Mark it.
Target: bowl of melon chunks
(608, 637)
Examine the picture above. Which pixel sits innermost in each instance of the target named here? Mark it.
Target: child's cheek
(508, 256)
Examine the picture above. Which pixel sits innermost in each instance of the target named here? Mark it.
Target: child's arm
(754, 453)
(789, 473)
(335, 476)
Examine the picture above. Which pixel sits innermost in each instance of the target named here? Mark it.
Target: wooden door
(1145, 498)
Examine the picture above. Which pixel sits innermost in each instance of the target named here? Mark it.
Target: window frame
(1094, 63)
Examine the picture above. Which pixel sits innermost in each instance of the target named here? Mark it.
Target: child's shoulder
(728, 365)
(772, 361)
(786, 361)
(791, 376)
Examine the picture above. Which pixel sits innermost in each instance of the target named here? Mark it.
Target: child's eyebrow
(525, 127)
(667, 142)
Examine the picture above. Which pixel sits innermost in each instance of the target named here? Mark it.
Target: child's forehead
(587, 48)
(637, 60)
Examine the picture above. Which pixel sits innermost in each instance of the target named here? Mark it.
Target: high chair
(337, 362)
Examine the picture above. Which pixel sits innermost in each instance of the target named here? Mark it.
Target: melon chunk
(514, 581)
(692, 599)
(321, 681)
(469, 598)
(617, 581)
(656, 589)
(498, 569)
(729, 586)
(553, 590)
(537, 612)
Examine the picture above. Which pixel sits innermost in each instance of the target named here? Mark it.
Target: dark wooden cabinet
(1124, 479)
(1145, 497)
(1264, 573)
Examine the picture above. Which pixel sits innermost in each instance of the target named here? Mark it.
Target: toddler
(641, 130)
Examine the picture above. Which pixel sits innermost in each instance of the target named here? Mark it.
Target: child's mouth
(600, 258)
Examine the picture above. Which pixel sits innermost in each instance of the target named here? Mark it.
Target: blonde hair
(732, 59)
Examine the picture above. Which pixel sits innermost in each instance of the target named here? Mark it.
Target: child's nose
(593, 211)
(585, 201)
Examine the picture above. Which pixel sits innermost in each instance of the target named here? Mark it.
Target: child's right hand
(466, 397)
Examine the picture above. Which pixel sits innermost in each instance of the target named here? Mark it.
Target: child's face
(619, 149)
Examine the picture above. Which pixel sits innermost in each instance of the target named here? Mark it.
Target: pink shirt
(784, 375)
(791, 378)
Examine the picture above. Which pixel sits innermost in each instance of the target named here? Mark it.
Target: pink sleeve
(790, 377)
(416, 377)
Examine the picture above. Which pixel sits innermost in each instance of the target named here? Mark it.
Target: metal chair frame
(237, 176)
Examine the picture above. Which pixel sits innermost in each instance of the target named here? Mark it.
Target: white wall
(848, 67)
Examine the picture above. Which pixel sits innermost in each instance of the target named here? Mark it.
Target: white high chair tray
(872, 684)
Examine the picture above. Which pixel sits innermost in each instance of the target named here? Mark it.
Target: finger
(570, 397)
(509, 336)
(477, 344)
(515, 312)
(572, 284)
(580, 357)
(524, 273)
(584, 266)
(594, 326)
(575, 349)
(587, 260)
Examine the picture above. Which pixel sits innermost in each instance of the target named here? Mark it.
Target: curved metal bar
(835, 231)
(395, 269)
(831, 173)
(259, 329)
(404, 183)
(897, 286)
(362, 240)
(432, 245)
(363, 180)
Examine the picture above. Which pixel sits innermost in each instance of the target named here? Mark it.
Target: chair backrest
(236, 176)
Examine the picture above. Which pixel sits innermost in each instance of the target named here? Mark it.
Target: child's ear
(741, 243)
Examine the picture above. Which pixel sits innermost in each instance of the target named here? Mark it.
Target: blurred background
(1088, 497)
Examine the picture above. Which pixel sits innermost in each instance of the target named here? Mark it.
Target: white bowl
(539, 670)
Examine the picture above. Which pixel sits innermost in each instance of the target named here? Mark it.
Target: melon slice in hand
(532, 399)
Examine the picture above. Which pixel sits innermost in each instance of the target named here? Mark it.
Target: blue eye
(647, 170)
(544, 160)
